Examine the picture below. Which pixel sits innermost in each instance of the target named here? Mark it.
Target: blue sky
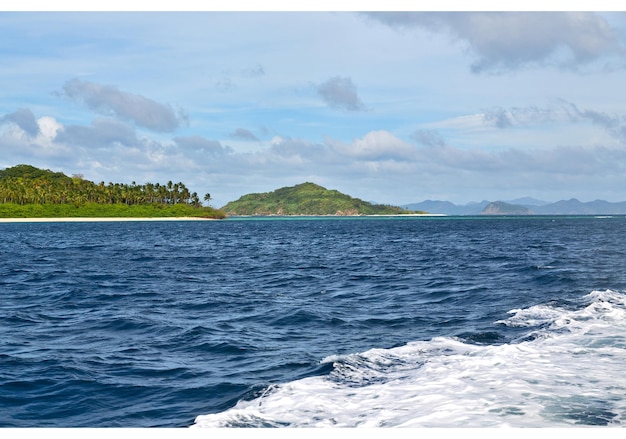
(391, 107)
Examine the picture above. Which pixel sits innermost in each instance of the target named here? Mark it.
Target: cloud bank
(561, 111)
(103, 149)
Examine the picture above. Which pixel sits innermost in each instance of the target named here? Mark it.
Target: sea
(304, 322)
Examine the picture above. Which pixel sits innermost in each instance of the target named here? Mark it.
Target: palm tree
(184, 193)
(162, 190)
(148, 189)
(169, 191)
(194, 199)
(207, 198)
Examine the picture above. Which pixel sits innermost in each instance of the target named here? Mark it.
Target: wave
(565, 369)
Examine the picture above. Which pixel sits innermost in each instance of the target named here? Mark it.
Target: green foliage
(306, 199)
(26, 191)
(94, 210)
(29, 172)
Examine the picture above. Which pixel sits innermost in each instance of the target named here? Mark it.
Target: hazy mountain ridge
(529, 206)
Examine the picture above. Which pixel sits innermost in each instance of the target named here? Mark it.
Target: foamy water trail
(566, 370)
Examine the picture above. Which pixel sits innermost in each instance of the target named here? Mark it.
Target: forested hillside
(306, 199)
(23, 186)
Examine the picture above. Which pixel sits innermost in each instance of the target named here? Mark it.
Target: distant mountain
(306, 199)
(575, 207)
(523, 206)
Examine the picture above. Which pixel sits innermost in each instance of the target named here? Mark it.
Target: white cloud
(18, 146)
(48, 127)
(375, 145)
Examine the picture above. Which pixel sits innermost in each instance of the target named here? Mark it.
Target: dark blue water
(148, 324)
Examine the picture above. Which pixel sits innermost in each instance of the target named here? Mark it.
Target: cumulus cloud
(23, 118)
(17, 146)
(49, 127)
(243, 134)
(510, 40)
(373, 151)
(111, 101)
(375, 145)
(340, 93)
(198, 144)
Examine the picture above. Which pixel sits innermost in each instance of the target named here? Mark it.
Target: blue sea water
(314, 322)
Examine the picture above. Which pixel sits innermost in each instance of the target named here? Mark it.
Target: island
(502, 208)
(30, 192)
(307, 199)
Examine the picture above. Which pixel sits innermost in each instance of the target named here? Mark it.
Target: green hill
(306, 199)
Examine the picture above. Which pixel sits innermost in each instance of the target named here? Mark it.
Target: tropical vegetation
(306, 199)
(27, 191)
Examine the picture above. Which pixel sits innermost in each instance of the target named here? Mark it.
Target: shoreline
(394, 215)
(102, 219)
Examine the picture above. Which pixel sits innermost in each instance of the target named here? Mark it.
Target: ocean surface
(314, 322)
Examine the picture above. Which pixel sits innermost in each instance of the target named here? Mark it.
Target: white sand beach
(100, 219)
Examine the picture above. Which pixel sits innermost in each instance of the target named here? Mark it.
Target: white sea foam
(567, 371)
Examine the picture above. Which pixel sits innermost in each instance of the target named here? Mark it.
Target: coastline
(391, 215)
(101, 219)
(190, 218)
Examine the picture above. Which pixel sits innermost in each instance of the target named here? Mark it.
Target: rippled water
(157, 324)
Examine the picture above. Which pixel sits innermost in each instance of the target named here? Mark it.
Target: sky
(389, 106)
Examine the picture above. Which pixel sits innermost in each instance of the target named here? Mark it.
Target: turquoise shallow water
(154, 324)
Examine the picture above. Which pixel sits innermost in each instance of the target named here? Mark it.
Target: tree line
(25, 184)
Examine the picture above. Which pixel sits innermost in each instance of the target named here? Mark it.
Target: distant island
(502, 208)
(523, 206)
(307, 199)
(29, 192)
